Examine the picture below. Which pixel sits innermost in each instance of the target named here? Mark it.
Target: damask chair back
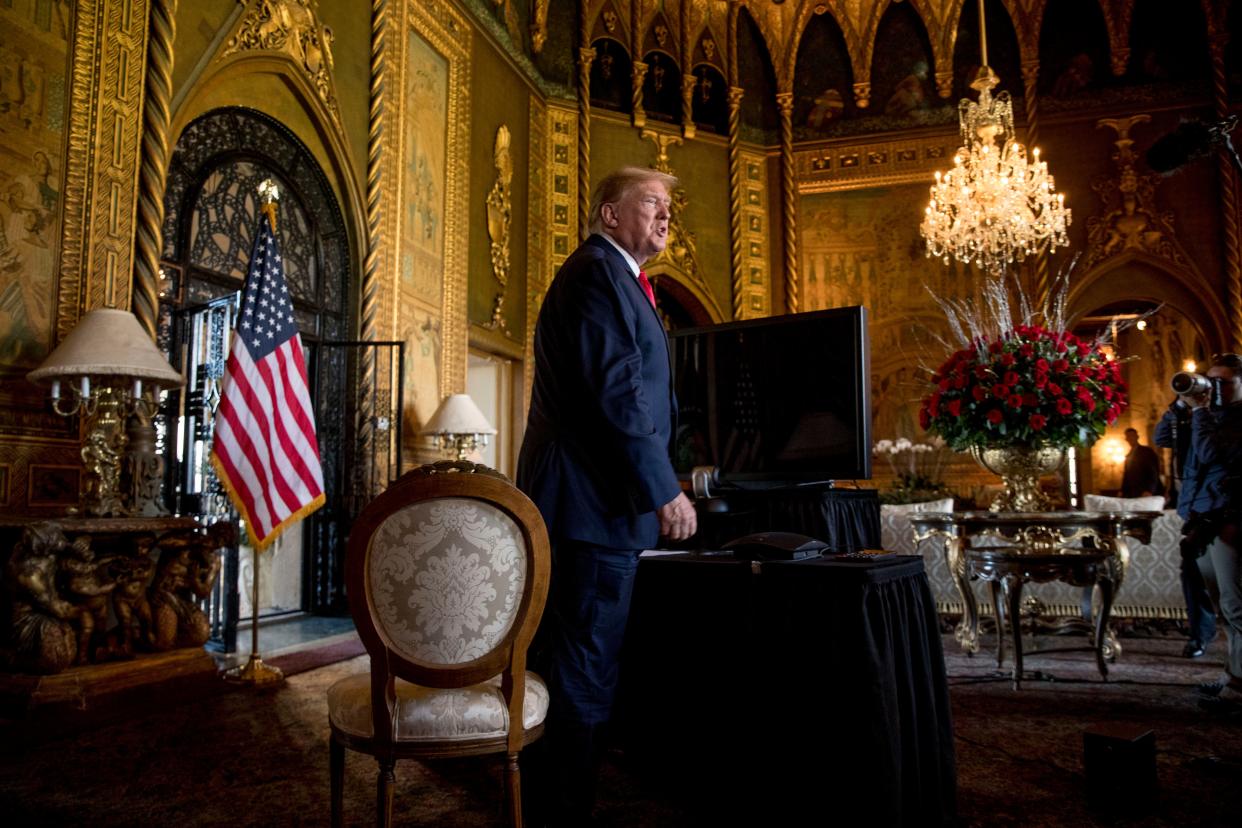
(447, 574)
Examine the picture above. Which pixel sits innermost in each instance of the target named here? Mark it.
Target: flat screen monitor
(785, 399)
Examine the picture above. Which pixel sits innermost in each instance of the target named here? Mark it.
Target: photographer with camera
(1208, 415)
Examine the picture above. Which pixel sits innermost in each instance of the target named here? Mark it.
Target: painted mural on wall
(862, 247)
(422, 370)
(33, 52)
(425, 140)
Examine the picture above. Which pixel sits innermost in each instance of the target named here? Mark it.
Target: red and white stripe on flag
(264, 447)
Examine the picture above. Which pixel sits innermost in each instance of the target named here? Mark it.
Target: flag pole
(254, 672)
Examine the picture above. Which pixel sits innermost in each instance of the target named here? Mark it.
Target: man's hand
(678, 520)
(1193, 401)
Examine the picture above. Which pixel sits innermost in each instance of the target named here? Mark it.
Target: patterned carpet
(237, 757)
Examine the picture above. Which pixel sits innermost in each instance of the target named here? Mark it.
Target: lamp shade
(108, 342)
(458, 414)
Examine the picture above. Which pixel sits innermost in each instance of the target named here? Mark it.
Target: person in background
(1211, 504)
(596, 461)
(1141, 477)
(1173, 431)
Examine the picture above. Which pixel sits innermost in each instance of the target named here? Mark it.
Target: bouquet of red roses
(1025, 386)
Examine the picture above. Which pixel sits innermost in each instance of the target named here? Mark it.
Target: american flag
(264, 447)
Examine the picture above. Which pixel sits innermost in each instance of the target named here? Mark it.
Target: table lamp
(458, 424)
(99, 371)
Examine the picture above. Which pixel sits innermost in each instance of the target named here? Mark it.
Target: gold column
(369, 291)
(636, 94)
(585, 56)
(156, 116)
(1228, 193)
(688, 82)
(1039, 268)
(735, 197)
(784, 100)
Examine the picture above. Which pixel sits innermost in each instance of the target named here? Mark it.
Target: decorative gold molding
(293, 28)
(879, 163)
(1129, 220)
(538, 25)
(499, 217)
(101, 170)
(434, 321)
(755, 288)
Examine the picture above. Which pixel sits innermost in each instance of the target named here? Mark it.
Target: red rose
(996, 347)
(1084, 348)
(1108, 391)
(1027, 349)
(995, 416)
(933, 404)
(1000, 390)
(1038, 421)
(1113, 413)
(1061, 348)
(1014, 401)
(924, 418)
(1064, 406)
(1041, 366)
(1012, 378)
(979, 393)
(981, 371)
(1061, 366)
(954, 407)
(959, 382)
(1007, 359)
(1054, 389)
(1041, 380)
(945, 384)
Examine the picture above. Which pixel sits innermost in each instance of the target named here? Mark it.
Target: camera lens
(1187, 382)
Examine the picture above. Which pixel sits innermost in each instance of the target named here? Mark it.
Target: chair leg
(513, 790)
(383, 792)
(336, 774)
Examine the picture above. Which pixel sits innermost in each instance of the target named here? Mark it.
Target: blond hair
(614, 186)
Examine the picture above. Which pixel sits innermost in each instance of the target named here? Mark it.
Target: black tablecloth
(794, 693)
(846, 519)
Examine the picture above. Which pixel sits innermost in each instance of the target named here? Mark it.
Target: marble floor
(287, 635)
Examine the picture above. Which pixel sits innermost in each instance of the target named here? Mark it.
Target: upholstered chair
(447, 573)
(897, 535)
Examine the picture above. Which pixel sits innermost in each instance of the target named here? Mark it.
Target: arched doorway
(212, 212)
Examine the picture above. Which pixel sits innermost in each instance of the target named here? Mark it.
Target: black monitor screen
(785, 398)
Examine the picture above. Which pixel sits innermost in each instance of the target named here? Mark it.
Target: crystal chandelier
(995, 205)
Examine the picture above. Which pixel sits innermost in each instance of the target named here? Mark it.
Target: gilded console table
(1008, 549)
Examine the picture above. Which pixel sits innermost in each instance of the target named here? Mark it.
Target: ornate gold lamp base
(254, 673)
(1020, 467)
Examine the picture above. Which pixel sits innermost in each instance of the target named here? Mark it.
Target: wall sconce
(459, 425)
(1114, 451)
(99, 372)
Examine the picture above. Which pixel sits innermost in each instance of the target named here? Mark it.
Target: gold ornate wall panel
(71, 79)
(756, 282)
(553, 212)
(101, 163)
(425, 180)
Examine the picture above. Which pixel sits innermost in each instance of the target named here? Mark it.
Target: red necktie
(645, 284)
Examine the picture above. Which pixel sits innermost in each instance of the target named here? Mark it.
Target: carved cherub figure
(41, 633)
(185, 575)
(90, 581)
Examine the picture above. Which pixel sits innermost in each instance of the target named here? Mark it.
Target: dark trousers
(577, 650)
(1200, 615)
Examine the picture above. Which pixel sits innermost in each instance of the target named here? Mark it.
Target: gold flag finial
(269, 194)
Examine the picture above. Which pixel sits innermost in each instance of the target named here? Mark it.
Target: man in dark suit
(595, 460)
(1141, 476)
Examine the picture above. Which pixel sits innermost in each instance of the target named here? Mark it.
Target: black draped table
(791, 692)
(845, 519)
